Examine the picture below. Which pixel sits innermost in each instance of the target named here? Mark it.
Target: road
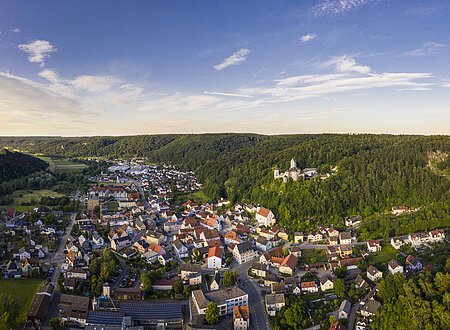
(259, 319)
(141, 192)
(58, 258)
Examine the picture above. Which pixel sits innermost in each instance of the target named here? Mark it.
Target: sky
(84, 68)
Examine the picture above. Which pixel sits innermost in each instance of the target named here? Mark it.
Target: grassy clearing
(62, 165)
(26, 196)
(24, 291)
(112, 206)
(385, 255)
(18, 208)
(314, 255)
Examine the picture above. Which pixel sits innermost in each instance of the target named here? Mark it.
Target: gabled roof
(215, 251)
(289, 261)
(263, 212)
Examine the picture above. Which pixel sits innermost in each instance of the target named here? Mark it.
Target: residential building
(298, 237)
(371, 308)
(374, 274)
(225, 299)
(180, 249)
(265, 217)
(394, 267)
(344, 309)
(274, 303)
(244, 252)
(309, 287)
(345, 238)
(215, 257)
(373, 246)
(259, 269)
(288, 265)
(241, 317)
(326, 283)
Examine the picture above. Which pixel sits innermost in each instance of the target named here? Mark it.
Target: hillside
(375, 172)
(15, 164)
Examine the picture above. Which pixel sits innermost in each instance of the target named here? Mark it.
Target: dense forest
(15, 164)
(374, 172)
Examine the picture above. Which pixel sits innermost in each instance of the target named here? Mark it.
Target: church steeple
(293, 163)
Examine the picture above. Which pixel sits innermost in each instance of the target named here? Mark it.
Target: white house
(263, 244)
(374, 274)
(394, 267)
(215, 257)
(244, 252)
(326, 283)
(265, 217)
(309, 287)
(345, 238)
(373, 246)
(274, 303)
(180, 249)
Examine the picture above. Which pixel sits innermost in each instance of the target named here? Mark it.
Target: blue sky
(271, 67)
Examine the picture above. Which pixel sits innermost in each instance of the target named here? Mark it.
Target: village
(136, 259)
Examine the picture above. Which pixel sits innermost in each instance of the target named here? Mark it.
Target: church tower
(293, 163)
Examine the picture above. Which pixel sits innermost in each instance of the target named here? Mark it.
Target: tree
(212, 313)
(339, 288)
(229, 278)
(9, 310)
(178, 286)
(56, 324)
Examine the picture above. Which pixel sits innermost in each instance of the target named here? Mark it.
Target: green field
(62, 165)
(314, 255)
(385, 255)
(26, 196)
(24, 291)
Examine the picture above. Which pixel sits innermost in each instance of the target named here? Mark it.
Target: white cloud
(38, 51)
(429, 48)
(446, 84)
(347, 63)
(94, 84)
(49, 75)
(334, 7)
(228, 94)
(308, 37)
(235, 59)
(16, 30)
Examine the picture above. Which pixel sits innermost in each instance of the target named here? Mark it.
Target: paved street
(58, 258)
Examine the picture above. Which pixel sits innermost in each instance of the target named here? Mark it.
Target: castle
(295, 173)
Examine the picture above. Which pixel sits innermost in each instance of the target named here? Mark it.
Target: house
(333, 240)
(210, 235)
(244, 252)
(394, 267)
(296, 251)
(263, 244)
(97, 239)
(215, 282)
(413, 263)
(241, 317)
(374, 274)
(215, 257)
(371, 308)
(163, 284)
(337, 326)
(28, 265)
(296, 288)
(283, 234)
(397, 242)
(345, 251)
(352, 221)
(155, 237)
(298, 237)
(373, 246)
(360, 283)
(120, 242)
(417, 239)
(309, 287)
(24, 253)
(326, 283)
(436, 236)
(397, 210)
(265, 217)
(345, 238)
(315, 237)
(226, 299)
(189, 269)
(344, 309)
(232, 237)
(164, 259)
(288, 264)
(278, 287)
(274, 303)
(259, 269)
(77, 273)
(180, 249)
(149, 256)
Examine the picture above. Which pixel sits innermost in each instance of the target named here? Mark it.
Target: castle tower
(293, 163)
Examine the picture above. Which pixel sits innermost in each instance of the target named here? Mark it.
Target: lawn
(26, 196)
(24, 291)
(385, 255)
(314, 255)
(62, 165)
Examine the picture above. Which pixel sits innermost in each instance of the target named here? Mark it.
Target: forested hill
(15, 164)
(374, 172)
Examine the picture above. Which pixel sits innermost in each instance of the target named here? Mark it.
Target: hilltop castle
(295, 173)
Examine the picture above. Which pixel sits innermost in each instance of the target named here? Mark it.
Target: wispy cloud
(429, 48)
(346, 63)
(228, 94)
(16, 30)
(334, 7)
(308, 37)
(38, 51)
(235, 59)
(446, 84)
